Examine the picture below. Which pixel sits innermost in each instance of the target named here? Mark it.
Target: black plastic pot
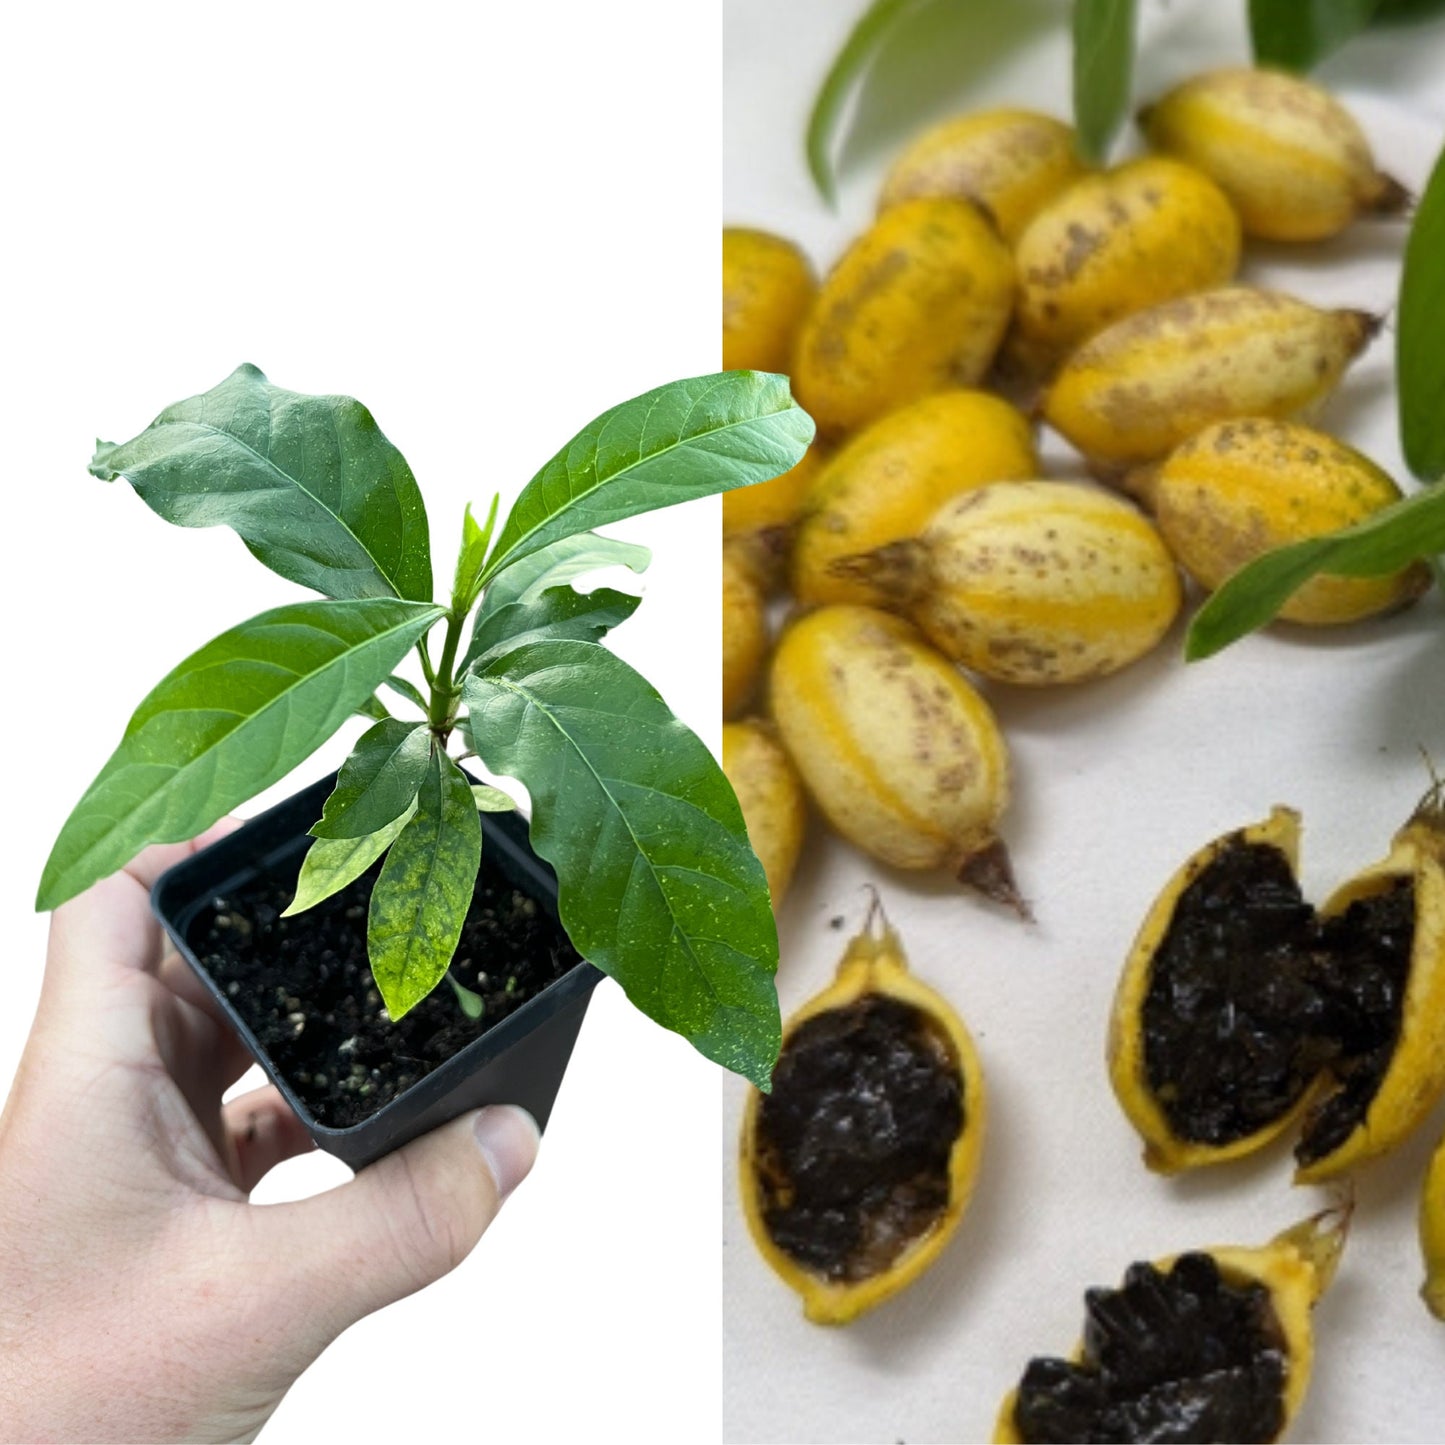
(519, 1060)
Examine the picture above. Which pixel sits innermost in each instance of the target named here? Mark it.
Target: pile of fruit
(916, 558)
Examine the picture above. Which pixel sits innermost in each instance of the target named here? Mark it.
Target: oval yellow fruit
(842, 1248)
(1115, 243)
(744, 632)
(767, 285)
(1159, 1329)
(1011, 162)
(1038, 583)
(1240, 488)
(1291, 158)
(898, 751)
(890, 479)
(771, 797)
(918, 303)
(1147, 383)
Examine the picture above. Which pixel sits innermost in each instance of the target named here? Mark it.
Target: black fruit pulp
(853, 1143)
(1252, 994)
(304, 987)
(1182, 1355)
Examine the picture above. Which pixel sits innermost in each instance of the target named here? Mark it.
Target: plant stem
(426, 667)
(444, 691)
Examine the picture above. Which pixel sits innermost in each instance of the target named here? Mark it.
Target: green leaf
(1407, 12)
(472, 557)
(1103, 71)
(558, 614)
(684, 440)
(232, 719)
(492, 800)
(657, 883)
(378, 782)
(1391, 539)
(520, 603)
(854, 58)
(408, 690)
(331, 863)
(309, 482)
(471, 1004)
(425, 889)
(1298, 34)
(1420, 336)
(373, 708)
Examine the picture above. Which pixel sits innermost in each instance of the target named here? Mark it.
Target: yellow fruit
(1242, 1011)
(767, 285)
(1011, 162)
(744, 632)
(1150, 381)
(771, 797)
(890, 479)
(917, 304)
(1116, 243)
(886, 1174)
(1432, 1233)
(1414, 1078)
(760, 521)
(1264, 853)
(1166, 1340)
(1288, 154)
(898, 751)
(1240, 488)
(1038, 583)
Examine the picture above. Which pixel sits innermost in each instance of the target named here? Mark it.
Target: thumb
(406, 1220)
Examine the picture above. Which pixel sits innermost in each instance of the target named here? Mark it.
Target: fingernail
(507, 1137)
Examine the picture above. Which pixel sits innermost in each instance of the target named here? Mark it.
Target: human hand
(141, 1296)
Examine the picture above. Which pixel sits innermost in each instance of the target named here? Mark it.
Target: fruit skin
(767, 285)
(1148, 383)
(1415, 1079)
(1432, 1233)
(1115, 243)
(918, 303)
(1290, 157)
(874, 963)
(889, 480)
(1240, 488)
(895, 747)
(1296, 1267)
(1036, 583)
(1163, 1152)
(1011, 162)
(770, 794)
(760, 521)
(744, 632)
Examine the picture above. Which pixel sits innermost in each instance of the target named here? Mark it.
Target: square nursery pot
(518, 1058)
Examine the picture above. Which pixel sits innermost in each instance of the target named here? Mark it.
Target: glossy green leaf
(657, 883)
(684, 440)
(1104, 33)
(331, 863)
(558, 614)
(404, 688)
(472, 557)
(1420, 334)
(374, 708)
(1413, 527)
(232, 719)
(421, 899)
(309, 482)
(492, 800)
(378, 782)
(854, 58)
(532, 600)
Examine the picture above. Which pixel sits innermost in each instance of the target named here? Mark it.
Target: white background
(1116, 783)
(488, 222)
